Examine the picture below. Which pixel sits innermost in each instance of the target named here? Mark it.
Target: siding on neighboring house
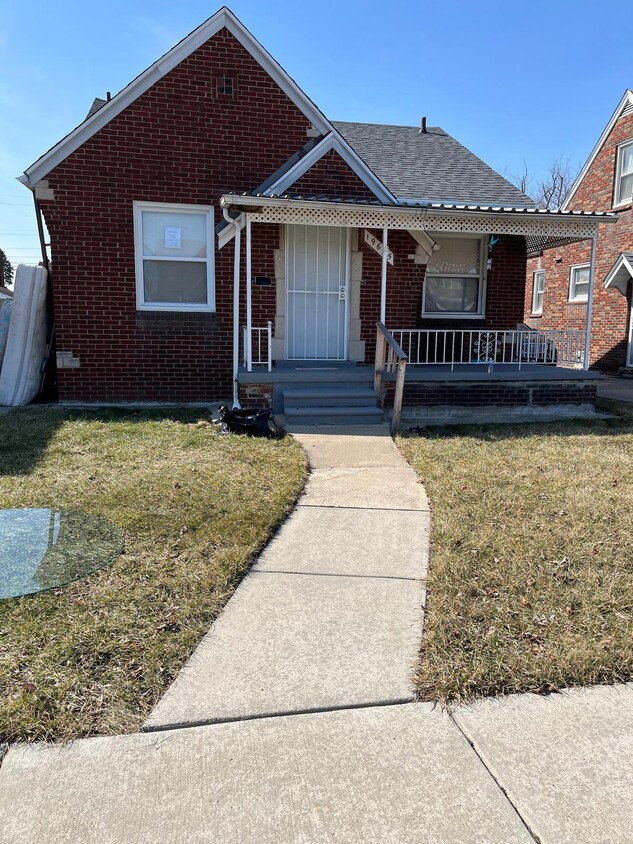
(610, 319)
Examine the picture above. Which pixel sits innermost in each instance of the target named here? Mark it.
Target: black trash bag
(255, 423)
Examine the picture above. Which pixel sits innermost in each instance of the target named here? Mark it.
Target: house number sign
(376, 245)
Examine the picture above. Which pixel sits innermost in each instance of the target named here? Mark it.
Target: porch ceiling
(436, 216)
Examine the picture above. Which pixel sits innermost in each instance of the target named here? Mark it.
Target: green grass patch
(531, 574)
(195, 507)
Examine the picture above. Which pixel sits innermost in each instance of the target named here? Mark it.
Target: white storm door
(317, 268)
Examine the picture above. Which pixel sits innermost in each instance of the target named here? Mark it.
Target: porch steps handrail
(390, 357)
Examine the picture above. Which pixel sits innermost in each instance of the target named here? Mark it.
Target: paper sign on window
(172, 237)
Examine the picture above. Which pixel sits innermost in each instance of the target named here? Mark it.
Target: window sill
(452, 316)
(537, 316)
(623, 206)
(577, 301)
(173, 309)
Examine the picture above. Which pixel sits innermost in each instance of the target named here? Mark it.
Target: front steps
(331, 404)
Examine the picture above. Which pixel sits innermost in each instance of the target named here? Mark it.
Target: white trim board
(625, 103)
(223, 18)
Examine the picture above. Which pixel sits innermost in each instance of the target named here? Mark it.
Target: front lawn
(531, 574)
(194, 505)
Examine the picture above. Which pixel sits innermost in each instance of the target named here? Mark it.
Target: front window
(579, 283)
(453, 281)
(538, 290)
(624, 175)
(174, 257)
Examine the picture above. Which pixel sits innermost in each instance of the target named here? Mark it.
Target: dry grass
(531, 576)
(195, 507)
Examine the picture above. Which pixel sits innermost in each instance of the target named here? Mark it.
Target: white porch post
(592, 272)
(383, 283)
(236, 306)
(249, 288)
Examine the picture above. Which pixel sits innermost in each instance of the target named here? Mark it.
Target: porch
(455, 331)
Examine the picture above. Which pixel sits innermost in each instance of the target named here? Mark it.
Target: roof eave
(223, 18)
(627, 99)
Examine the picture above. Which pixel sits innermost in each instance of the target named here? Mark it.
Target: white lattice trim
(427, 220)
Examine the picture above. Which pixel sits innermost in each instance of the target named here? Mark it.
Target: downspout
(236, 307)
(49, 364)
(592, 272)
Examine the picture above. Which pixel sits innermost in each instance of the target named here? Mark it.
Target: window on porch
(453, 285)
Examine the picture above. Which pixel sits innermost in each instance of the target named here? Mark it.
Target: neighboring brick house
(212, 232)
(557, 283)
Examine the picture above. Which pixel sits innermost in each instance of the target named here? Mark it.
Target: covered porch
(361, 296)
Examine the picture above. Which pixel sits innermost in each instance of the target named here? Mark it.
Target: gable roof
(621, 272)
(625, 106)
(101, 114)
(429, 166)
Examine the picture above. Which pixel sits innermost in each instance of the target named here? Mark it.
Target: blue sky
(513, 81)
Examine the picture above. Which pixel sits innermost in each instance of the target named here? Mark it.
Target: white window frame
(619, 176)
(176, 208)
(480, 313)
(572, 283)
(537, 311)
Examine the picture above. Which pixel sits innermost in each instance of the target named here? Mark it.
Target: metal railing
(390, 358)
(257, 348)
(520, 347)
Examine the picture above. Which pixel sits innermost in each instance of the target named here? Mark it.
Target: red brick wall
(490, 393)
(179, 142)
(610, 319)
(331, 176)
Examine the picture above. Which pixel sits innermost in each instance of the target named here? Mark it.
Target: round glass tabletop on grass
(42, 549)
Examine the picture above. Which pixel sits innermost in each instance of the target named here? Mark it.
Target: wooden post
(380, 359)
(397, 398)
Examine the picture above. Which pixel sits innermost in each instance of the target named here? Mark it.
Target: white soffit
(353, 161)
(620, 273)
(223, 18)
(625, 104)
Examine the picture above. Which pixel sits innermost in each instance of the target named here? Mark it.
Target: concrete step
(328, 415)
(335, 395)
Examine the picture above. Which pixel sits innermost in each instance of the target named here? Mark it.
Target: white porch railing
(519, 347)
(257, 348)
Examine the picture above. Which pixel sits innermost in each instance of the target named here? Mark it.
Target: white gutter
(236, 307)
(420, 212)
(592, 272)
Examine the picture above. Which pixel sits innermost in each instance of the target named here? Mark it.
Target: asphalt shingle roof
(428, 166)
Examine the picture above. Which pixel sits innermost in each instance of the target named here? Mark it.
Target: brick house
(214, 234)
(557, 289)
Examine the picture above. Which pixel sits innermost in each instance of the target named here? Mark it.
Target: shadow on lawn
(621, 423)
(25, 432)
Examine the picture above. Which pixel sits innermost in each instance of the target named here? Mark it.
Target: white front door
(317, 269)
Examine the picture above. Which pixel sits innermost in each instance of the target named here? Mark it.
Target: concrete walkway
(326, 629)
(612, 387)
(330, 617)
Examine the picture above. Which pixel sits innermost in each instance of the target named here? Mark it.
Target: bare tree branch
(550, 190)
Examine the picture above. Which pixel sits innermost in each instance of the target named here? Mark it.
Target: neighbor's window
(453, 285)
(538, 286)
(579, 283)
(624, 174)
(174, 257)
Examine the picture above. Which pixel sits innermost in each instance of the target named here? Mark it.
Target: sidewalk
(295, 716)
